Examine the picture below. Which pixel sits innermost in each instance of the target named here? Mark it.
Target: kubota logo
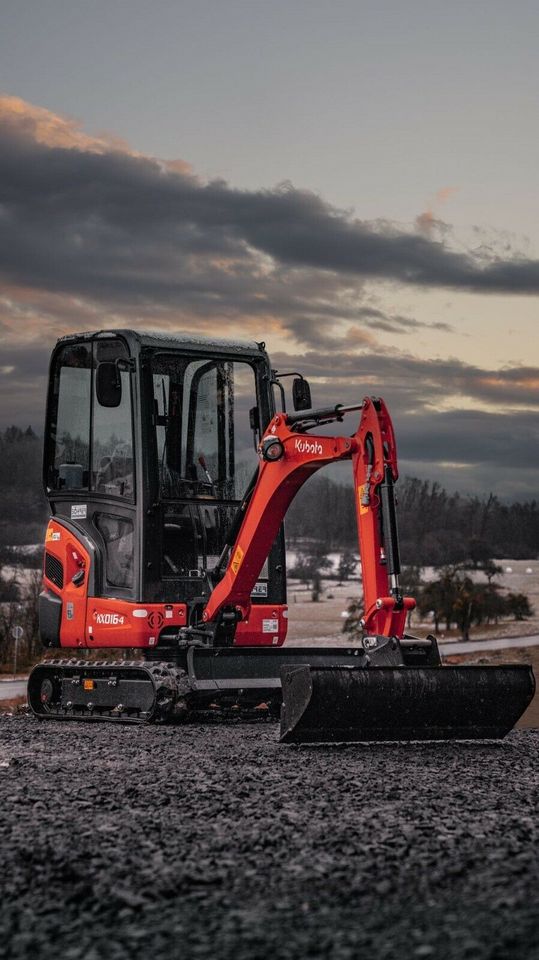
(306, 446)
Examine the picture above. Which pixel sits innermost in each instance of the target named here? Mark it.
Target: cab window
(69, 427)
(117, 533)
(90, 447)
(112, 435)
(203, 436)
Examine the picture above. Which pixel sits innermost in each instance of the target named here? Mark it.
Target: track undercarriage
(384, 689)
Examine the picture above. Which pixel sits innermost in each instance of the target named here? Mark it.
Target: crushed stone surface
(215, 841)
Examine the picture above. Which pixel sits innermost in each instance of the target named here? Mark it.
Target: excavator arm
(375, 472)
(289, 455)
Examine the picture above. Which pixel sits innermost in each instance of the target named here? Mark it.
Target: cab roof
(173, 341)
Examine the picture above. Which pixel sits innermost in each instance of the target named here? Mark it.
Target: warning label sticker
(363, 507)
(260, 589)
(270, 626)
(237, 559)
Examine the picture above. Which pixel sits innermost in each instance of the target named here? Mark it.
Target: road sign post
(16, 632)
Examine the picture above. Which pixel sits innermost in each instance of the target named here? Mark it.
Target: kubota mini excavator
(159, 541)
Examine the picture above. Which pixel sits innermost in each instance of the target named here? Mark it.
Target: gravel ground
(217, 842)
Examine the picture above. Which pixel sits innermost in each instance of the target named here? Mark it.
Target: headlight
(272, 449)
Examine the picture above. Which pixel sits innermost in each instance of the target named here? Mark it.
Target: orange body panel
(94, 622)
(70, 551)
(98, 621)
(122, 623)
(266, 626)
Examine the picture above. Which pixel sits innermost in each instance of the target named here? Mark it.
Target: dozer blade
(333, 704)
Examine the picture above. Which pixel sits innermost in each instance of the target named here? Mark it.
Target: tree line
(23, 508)
(435, 527)
(456, 597)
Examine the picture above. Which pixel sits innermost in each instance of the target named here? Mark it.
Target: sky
(353, 182)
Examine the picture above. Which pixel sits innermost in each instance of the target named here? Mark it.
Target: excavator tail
(333, 704)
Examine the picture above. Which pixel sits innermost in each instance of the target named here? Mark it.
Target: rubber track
(167, 679)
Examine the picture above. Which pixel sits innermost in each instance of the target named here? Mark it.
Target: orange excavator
(170, 463)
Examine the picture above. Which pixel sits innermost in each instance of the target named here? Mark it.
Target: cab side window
(117, 533)
(112, 436)
(90, 447)
(69, 444)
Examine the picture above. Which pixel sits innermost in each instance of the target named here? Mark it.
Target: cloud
(395, 323)
(427, 223)
(94, 235)
(473, 451)
(81, 217)
(23, 383)
(415, 385)
(25, 120)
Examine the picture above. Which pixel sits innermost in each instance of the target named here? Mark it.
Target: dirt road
(12, 688)
(215, 841)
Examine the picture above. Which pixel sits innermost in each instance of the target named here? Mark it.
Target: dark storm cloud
(465, 449)
(473, 451)
(413, 384)
(394, 323)
(23, 376)
(114, 225)
(25, 362)
(473, 437)
(90, 238)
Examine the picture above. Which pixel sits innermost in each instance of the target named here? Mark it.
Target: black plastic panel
(50, 618)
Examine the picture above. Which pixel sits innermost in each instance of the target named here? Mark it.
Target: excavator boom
(288, 458)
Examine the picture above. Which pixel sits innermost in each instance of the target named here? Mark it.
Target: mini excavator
(169, 465)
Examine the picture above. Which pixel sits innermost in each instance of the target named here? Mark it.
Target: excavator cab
(151, 445)
(169, 473)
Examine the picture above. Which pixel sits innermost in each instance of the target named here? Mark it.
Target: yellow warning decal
(237, 559)
(363, 507)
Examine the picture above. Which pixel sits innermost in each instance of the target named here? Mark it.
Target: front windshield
(203, 438)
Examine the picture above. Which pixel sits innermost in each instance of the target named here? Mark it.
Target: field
(323, 620)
